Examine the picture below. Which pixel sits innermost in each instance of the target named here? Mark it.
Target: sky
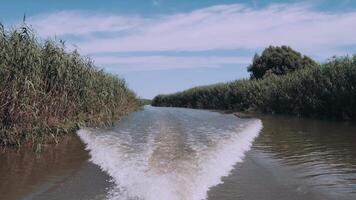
(165, 46)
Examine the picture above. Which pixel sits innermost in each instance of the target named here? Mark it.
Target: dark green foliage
(327, 91)
(278, 61)
(46, 92)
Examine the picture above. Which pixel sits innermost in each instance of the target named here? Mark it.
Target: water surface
(170, 153)
(296, 158)
(185, 154)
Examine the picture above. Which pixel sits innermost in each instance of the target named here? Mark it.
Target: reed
(323, 91)
(46, 92)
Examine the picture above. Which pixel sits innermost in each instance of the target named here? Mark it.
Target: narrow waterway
(186, 154)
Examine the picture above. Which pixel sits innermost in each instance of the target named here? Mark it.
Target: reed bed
(46, 91)
(324, 91)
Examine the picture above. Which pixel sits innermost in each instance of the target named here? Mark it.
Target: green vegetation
(323, 91)
(46, 92)
(279, 61)
(143, 102)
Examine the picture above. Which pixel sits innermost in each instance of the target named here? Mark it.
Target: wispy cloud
(223, 27)
(82, 23)
(133, 63)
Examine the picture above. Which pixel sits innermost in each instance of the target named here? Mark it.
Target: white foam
(188, 179)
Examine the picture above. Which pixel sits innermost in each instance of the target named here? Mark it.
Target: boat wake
(170, 153)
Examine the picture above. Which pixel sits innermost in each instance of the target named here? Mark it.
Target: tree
(278, 61)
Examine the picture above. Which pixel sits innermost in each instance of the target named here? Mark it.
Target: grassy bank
(323, 91)
(46, 92)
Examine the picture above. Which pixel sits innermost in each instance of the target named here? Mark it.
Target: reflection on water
(322, 152)
(295, 158)
(23, 171)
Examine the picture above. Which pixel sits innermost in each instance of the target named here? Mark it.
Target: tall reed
(46, 91)
(323, 91)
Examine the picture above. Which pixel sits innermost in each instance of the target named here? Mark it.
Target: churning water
(170, 153)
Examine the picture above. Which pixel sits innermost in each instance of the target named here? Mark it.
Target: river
(186, 154)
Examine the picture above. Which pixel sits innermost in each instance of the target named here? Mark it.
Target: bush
(278, 61)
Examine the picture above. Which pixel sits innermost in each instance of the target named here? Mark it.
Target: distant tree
(278, 61)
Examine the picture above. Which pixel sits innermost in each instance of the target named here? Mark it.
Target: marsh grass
(323, 91)
(46, 92)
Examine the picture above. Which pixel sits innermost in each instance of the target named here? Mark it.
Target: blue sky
(164, 46)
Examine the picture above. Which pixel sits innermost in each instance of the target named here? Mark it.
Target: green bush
(325, 91)
(278, 61)
(46, 92)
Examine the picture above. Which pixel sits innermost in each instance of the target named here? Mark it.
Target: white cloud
(133, 63)
(80, 23)
(235, 27)
(222, 27)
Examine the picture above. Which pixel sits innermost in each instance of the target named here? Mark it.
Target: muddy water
(22, 170)
(295, 158)
(173, 153)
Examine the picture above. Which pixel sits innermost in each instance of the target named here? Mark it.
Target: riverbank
(324, 91)
(47, 91)
(292, 158)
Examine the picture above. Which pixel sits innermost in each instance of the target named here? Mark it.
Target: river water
(186, 154)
